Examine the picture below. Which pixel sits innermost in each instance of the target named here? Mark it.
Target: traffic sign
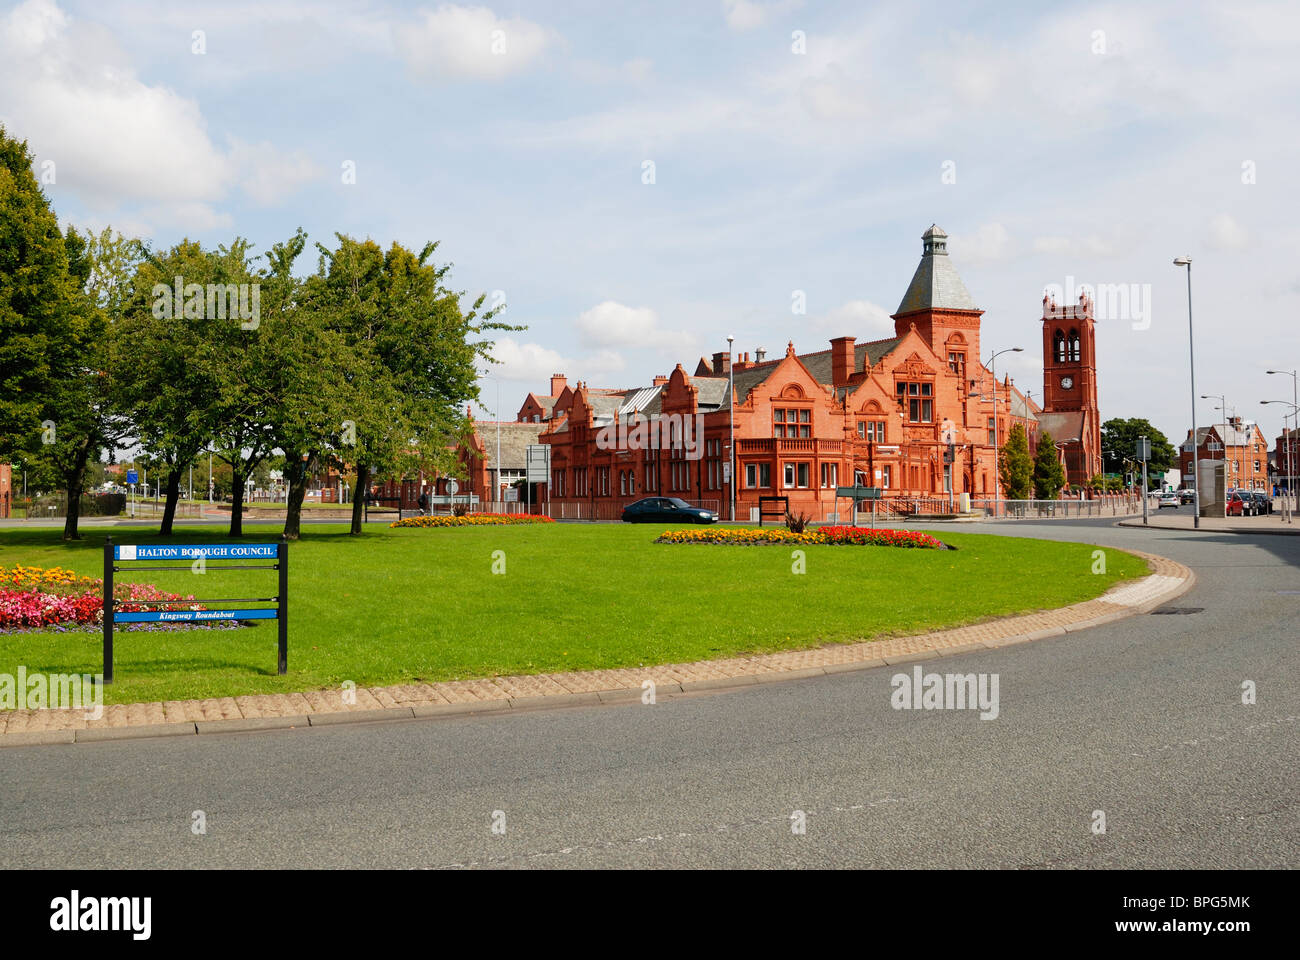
(132, 477)
(453, 487)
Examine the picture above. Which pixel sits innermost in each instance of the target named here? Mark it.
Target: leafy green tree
(1119, 441)
(1015, 466)
(1049, 475)
(39, 308)
(416, 354)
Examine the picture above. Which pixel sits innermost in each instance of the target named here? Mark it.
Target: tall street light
(1191, 352)
(1295, 402)
(997, 472)
(731, 421)
(1290, 467)
(496, 480)
(1223, 440)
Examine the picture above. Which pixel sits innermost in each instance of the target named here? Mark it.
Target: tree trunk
(75, 477)
(359, 494)
(296, 472)
(236, 500)
(173, 496)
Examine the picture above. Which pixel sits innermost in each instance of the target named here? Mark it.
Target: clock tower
(1070, 406)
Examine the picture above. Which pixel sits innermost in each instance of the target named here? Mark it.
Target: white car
(1169, 499)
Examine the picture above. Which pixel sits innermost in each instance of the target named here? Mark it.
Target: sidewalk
(1269, 524)
(504, 694)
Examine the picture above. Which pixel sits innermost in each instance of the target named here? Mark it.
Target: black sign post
(194, 553)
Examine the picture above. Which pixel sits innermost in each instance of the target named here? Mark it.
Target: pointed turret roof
(935, 285)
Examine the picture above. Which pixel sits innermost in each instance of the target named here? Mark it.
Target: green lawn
(399, 606)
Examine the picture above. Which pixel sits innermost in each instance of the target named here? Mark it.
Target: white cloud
(611, 324)
(470, 42)
(525, 362)
(748, 14)
(988, 244)
(268, 174)
(1226, 233)
(858, 318)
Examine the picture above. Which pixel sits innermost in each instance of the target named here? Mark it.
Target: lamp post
(1295, 403)
(496, 481)
(731, 423)
(1290, 467)
(997, 471)
(1191, 353)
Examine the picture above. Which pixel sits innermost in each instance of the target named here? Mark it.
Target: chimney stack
(842, 360)
(760, 354)
(558, 382)
(721, 362)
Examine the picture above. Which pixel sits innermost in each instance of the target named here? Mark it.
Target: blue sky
(1085, 141)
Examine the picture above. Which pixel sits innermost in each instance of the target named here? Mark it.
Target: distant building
(917, 414)
(1242, 447)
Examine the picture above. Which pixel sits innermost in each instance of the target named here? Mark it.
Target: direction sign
(537, 459)
(453, 487)
(858, 493)
(132, 477)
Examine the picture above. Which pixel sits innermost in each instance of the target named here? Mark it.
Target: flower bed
(51, 597)
(472, 520)
(833, 536)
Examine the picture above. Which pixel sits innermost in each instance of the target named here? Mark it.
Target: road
(1142, 719)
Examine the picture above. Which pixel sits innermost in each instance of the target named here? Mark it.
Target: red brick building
(1241, 446)
(1288, 442)
(882, 412)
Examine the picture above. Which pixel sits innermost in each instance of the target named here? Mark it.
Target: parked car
(1264, 503)
(1186, 495)
(1169, 499)
(670, 509)
(1249, 506)
(1236, 505)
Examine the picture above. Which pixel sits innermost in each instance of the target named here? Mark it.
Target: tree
(38, 307)
(1119, 441)
(81, 415)
(1049, 475)
(416, 355)
(1015, 466)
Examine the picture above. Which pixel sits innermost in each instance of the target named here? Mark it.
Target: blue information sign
(192, 616)
(132, 477)
(177, 551)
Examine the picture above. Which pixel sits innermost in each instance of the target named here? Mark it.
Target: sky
(637, 181)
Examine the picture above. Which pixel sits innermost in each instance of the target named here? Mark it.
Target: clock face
(1067, 383)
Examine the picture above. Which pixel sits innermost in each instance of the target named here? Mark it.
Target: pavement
(1267, 524)
(1167, 580)
(1178, 727)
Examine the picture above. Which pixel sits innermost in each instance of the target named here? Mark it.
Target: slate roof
(936, 284)
(514, 438)
(1066, 425)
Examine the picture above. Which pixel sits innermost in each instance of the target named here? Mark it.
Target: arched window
(1074, 344)
(1059, 347)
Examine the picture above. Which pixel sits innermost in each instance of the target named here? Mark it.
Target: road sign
(453, 487)
(537, 458)
(858, 493)
(1143, 451)
(132, 477)
(949, 432)
(726, 471)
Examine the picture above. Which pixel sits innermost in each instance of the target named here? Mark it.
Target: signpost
(537, 465)
(1144, 454)
(861, 493)
(195, 557)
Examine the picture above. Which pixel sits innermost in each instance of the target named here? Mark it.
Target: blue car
(666, 509)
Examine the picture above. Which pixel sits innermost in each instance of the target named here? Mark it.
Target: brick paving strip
(1166, 581)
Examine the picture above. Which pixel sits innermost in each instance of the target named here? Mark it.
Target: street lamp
(1290, 442)
(1223, 440)
(731, 422)
(1191, 353)
(1295, 402)
(997, 472)
(496, 481)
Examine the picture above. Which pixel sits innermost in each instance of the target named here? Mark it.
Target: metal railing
(1106, 506)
